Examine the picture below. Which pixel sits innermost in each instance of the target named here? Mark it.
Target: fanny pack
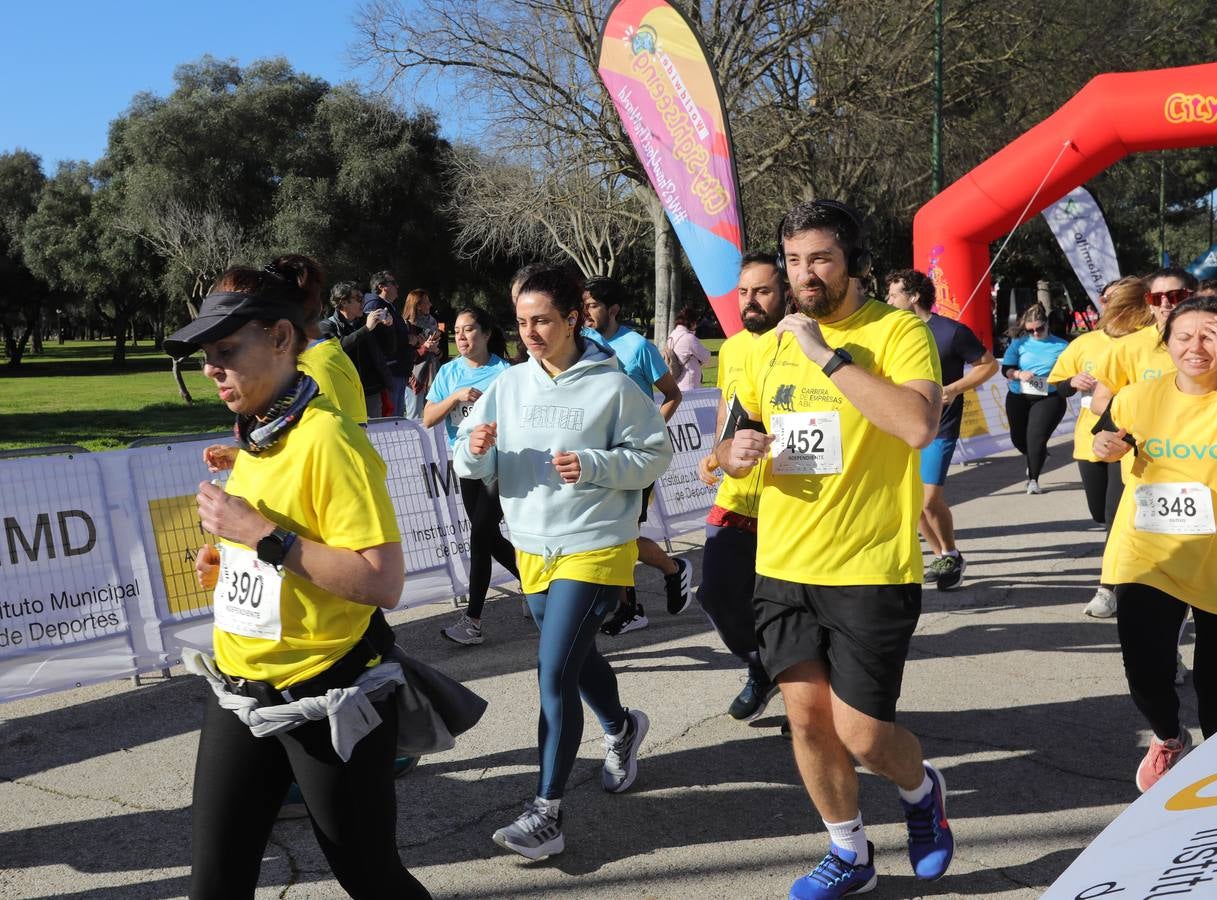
(377, 640)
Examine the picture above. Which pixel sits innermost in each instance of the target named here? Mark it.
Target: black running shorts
(861, 632)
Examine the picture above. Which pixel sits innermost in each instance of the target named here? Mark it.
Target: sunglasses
(1038, 329)
(1167, 298)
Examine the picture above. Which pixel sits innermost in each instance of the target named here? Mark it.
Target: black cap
(224, 312)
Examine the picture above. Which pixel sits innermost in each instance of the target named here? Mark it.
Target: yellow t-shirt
(608, 565)
(739, 495)
(1082, 355)
(1140, 356)
(328, 365)
(858, 526)
(325, 482)
(1175, 442)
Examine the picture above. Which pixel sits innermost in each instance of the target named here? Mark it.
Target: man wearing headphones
(834, 404)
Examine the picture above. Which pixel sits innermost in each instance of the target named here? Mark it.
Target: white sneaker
(535, 834)
(621, 752)
(1033, 487)
(1102, 605)
(465, 631)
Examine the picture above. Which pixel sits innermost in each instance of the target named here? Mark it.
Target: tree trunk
(676, 291)
(37, 336)
(121, 327)
(663, 269)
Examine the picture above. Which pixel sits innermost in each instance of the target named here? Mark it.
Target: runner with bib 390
(846, 390)
(310, 550)
(1162, 552)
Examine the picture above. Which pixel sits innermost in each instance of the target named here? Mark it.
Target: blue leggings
(568, 664)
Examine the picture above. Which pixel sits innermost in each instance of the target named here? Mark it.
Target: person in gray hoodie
(572, 443)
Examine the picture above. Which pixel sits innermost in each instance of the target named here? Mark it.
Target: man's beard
(827, 303)
(759, 324)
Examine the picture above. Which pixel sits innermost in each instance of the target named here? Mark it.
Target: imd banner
(1164, 845)
(658, 73)
(97, 549)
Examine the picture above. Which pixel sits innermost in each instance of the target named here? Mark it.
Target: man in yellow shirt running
(728, 570)
(846, 390)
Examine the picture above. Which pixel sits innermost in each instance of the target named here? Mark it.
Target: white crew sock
(955, 553)
(850, 836)
(549, 807)
(917, 794)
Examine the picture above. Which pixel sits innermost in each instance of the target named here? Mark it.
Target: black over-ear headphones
(857, 255)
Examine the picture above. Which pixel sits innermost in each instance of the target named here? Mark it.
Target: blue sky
(70, 67)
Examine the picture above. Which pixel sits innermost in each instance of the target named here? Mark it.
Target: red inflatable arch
(1112, 116)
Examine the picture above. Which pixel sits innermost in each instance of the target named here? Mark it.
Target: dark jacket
(404, 355)
(368, 350)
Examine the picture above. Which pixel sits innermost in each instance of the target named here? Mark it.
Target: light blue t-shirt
(459, 373)
(639, 358)
(1036, 356)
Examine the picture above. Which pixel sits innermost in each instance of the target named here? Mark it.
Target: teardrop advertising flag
(658, 73)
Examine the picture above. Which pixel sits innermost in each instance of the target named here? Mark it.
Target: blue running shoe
(931, 844)
(837, 876)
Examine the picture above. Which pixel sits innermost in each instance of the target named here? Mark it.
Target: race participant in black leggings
(1124, 311)
(309, 552)
(1033, 406)
(1162, 553)
(451, 398)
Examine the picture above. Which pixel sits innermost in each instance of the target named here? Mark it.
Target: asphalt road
(1017, 697)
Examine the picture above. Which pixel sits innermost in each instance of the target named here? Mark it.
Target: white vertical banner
(1164, 844)
(1079, 227)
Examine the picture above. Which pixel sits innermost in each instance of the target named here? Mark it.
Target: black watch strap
(839, 358)
(273, 548)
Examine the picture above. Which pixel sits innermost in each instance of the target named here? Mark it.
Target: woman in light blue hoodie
(573, 443)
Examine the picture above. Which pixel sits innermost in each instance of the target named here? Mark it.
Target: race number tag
(1036, 387)
(459, 413)
(246, 598)
(1183, 507)
(806, 443)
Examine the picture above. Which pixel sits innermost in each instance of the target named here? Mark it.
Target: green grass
(73, 394)
(709, 372)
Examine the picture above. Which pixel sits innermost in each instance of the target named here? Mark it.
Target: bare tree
(201, 242)
(524, 208)
(531, 64)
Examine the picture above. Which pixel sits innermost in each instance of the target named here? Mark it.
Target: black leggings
(485, 540)
(1103, 484)
(1149, 622)
(1032, 421)
(239, 784)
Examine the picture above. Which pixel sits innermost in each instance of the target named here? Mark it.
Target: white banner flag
(1164, 844)
(1080, 229)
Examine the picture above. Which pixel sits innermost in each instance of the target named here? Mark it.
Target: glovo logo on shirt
(1189, 798)
(1150, 374)
(1159, 448)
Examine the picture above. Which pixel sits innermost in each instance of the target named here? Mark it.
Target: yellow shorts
(608, 565)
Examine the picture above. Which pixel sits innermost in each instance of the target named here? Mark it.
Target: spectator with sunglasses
(1142, 356)
(1033, 406)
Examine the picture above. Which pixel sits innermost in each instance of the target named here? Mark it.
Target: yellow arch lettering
(1189, 797)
